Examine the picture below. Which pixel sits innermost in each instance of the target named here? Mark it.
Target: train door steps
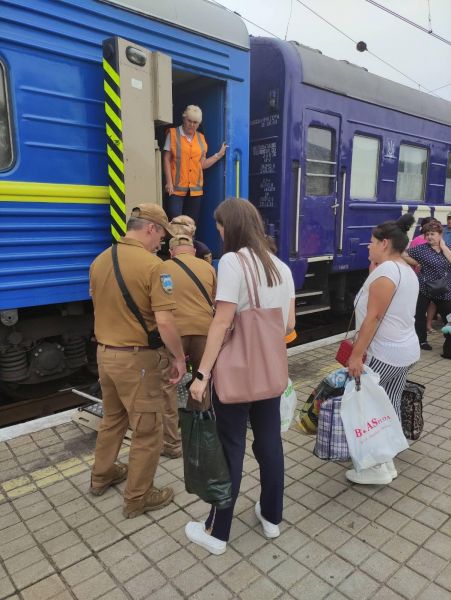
(311, 308)
(91, 415)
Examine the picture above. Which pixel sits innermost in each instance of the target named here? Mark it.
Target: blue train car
(334, 151)
(54, 213)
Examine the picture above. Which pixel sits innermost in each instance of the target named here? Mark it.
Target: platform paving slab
(338, 541)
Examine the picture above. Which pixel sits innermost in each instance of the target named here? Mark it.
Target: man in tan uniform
(129, 369)
(193, 316)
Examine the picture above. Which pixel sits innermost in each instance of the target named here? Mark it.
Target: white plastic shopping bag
(288, 401)
(372, 428)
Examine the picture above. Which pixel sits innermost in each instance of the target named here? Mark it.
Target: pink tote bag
(252, 364)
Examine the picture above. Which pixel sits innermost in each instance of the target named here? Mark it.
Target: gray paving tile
(407, 582)
(358, 586)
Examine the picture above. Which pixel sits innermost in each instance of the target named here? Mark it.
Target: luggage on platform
(412, 410)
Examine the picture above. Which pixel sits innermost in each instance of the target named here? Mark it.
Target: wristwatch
(201, 376)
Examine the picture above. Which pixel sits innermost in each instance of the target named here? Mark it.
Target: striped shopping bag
(331, 441)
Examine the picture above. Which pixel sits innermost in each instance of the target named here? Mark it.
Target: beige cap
(180, 240)
(154, 213)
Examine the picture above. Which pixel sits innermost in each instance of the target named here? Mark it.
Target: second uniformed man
(193, 317)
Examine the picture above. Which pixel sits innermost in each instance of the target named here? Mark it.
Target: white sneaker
(391, 469)
(269, 529)
(378, 475)
(196, 533)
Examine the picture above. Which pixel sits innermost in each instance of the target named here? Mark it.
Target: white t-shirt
(167, 142)
(231, 285)
(395, 341)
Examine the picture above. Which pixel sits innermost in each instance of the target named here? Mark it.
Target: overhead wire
(369, 51)
(409, 22)
(289, 19)
(336, 29)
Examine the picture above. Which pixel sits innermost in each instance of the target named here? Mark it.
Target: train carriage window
(448, 181)
(320, 161)
(6, 152)
(364, 170)
(412, 167)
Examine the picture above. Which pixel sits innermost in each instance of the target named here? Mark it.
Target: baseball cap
(180, 240)
(154, 213)
(184, 225)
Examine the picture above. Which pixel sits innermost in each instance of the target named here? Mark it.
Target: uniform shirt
(232, 284)
(147, 281)
(434, 265)
(447, 237)
(395, 341)
(193, 315)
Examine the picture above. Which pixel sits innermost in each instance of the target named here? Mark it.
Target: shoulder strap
(194, 277)
(389, 304)
(385, 312)
(125, 293)
(245, 263)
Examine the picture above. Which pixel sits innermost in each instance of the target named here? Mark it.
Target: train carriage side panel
(341, 115)
(54, 213)
(275, 146)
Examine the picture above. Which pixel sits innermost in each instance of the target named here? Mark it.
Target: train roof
(201, 16)
(351, 80)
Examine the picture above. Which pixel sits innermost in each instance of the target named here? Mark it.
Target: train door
(319, 203)
(209, 94)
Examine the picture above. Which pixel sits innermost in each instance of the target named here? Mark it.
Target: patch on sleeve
(166, 283)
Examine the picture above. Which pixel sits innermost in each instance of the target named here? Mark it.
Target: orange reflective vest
(186, 169)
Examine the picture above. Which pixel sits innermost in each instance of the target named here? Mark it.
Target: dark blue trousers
(267, 448)
(175, 206)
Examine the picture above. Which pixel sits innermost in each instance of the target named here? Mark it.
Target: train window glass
(364, 170)
(6, 153)
(320, 161)
(411, 173)
(448, 181)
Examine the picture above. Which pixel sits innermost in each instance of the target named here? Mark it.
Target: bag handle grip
(245, 263)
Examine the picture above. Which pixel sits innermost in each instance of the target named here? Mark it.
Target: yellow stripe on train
(59, 193)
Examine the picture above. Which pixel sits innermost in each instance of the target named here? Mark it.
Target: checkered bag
(183, 391)
(331, 441)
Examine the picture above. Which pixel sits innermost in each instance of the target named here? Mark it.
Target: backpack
(412, 410)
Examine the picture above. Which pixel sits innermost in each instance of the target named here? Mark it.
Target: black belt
(126, 348)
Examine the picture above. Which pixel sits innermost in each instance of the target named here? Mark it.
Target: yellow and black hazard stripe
(115, 148)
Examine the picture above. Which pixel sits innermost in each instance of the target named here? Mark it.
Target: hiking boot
(171, 453)
(120, 473)
(153, 500)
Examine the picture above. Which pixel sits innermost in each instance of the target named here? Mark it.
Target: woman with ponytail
(385, 321)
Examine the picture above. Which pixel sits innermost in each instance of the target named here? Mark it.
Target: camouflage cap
(180, 240)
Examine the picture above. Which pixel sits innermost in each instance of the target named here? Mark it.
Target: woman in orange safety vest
(184, 159)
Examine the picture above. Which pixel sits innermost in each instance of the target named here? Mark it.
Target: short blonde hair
(183, 225)
(193, 112)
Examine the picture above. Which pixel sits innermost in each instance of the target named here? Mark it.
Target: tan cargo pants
(132, 395)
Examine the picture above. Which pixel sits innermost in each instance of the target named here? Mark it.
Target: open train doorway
(209, 95)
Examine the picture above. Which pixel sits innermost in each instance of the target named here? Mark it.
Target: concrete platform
(339, 541)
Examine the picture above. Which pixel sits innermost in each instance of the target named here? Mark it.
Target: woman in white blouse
(241, 227)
